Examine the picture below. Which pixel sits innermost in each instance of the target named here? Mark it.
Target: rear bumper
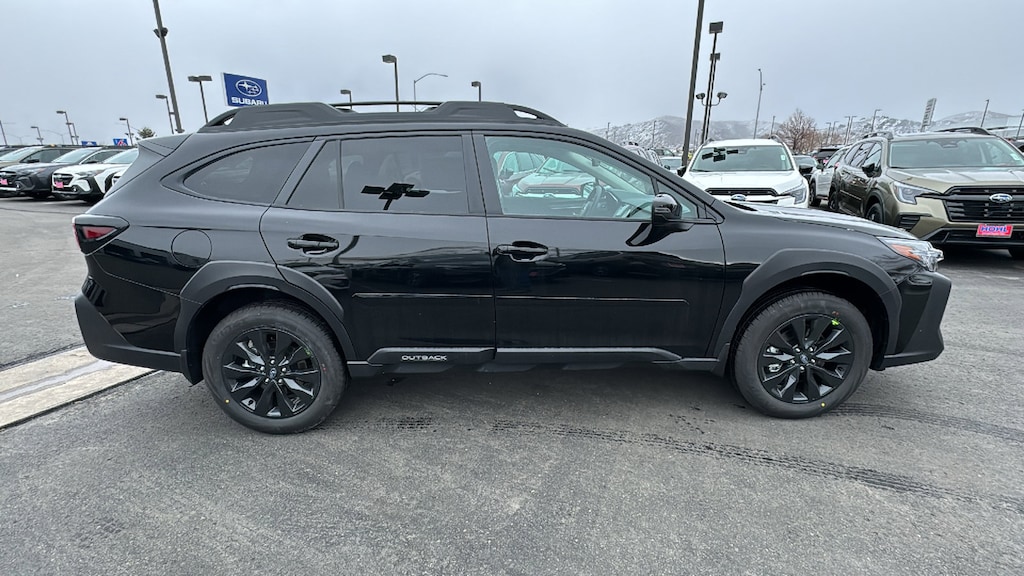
(105, 343)
(924, 297)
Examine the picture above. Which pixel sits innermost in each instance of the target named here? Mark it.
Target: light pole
(828, 133)
(161, 33)
(1015, 137)
(392, 59)
(706, 100)
(421, 78)
(38, 133)
(849, 126)
(479, 90)
(67, 121)
(74, 134)
(771, 130)
(693, 83)
(200, 80)
(5, 133)
(715, 28)
(873, 114)
(760, 88)
(347, 92)
(170, 115)
(983, 114)
(125, 120)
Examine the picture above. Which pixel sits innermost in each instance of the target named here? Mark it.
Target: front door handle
(313, 244)
(521, 251)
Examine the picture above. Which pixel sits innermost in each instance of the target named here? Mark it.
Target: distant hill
(667, 131)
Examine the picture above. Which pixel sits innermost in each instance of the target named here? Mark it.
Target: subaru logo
(1000, 198)
(738, 197)
(248, 87)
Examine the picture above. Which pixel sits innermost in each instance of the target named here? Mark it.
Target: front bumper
(924, 296)
(22, 185)
(81, 187)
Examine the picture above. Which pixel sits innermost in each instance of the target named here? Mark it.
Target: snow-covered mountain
(667, 131)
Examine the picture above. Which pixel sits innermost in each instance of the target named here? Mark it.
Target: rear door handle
(522, 251)
(313, 244)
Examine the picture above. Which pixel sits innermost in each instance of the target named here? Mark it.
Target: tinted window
(320, 187)
(255, 175)
(421, 175)
(857, 155)
(49, 154)
(573, 182)
(874, 156)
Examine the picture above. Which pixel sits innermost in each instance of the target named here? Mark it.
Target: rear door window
(320, 187)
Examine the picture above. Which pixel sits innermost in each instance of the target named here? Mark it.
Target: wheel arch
(222, 287)
(847, 276)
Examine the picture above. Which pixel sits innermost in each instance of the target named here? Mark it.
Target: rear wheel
(274, 368)
(1017, 253)
(815, 201)
(802, 355)
(833, 198)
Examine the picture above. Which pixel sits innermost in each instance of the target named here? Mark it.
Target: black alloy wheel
(875, 213)
(833, 199)
(274, 367)
(806, 358)
(271, 373)
(802, 355)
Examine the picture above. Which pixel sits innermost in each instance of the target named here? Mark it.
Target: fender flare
(791, 264)
(216, 278)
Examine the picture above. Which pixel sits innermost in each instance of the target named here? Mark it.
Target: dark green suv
(958, 187)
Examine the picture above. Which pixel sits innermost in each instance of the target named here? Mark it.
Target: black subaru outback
(283, 249)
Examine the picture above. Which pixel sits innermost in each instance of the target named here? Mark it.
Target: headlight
(920, 251)
(799, 192)
(87, 173)
(31, 171)
(908, 194)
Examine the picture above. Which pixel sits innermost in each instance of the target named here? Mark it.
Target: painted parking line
(42, 385)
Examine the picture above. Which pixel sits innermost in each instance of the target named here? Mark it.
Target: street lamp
(200, 80)
(479, 90)
(161, 33)
(5, 133)
(125, 120)
(706, 100)
(347, 92)
(38, 133)
(392, 59)
(715, 28)
(983, 114)
(873, 114)
(693, 83)
(1015, 137)
(67, 121)
(170, 115)
(760, 88)
(421, 78)
(849, 126)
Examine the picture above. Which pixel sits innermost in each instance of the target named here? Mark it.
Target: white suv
(748, 171)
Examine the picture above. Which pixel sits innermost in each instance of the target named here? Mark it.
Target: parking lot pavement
(41, 273)
(546, 472)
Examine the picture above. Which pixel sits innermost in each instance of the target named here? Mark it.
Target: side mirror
(664, 208)
(505, 174)
(870, 169)
(681, 170)
(31, 161)
(805, 170)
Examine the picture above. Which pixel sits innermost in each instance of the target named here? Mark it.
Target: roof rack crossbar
(968, 130)
(887, 134)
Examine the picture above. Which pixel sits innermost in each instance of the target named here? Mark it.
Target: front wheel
(875, 213)
(802, 355)
(833, 199)
(274, 368)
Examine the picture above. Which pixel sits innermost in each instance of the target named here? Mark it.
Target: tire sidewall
(297, 323)
(745, 375)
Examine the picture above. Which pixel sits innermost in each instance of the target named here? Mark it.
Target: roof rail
(318, 113)
(968, 130)
(887, 134)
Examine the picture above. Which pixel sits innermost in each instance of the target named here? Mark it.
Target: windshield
(556, 166)
(74, 156)
(126, 157)
(18, 154)
(955, 153)
(742, 159)
(672, 162)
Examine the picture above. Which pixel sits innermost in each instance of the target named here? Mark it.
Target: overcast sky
(586, 62)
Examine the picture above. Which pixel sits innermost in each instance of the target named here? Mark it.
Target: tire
(253, 393)
(875, 213)
(780, 376)
(38, 195)
(833, 199)
(815, 201)
(1016, 253)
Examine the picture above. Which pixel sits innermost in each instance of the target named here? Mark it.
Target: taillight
(94, 231)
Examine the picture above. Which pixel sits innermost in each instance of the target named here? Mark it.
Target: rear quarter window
(252, 176)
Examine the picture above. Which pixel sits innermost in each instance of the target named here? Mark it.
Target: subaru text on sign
(245, 90)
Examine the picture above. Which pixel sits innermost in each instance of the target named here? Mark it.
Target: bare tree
(799, 132)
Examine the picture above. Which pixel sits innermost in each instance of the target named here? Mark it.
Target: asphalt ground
(630, 471)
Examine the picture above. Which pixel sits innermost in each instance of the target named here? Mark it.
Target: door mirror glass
(666, 209)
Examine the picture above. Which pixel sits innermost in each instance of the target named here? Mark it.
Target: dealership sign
(245, 90)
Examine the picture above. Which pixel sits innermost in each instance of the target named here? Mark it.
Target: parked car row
(65, 172)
